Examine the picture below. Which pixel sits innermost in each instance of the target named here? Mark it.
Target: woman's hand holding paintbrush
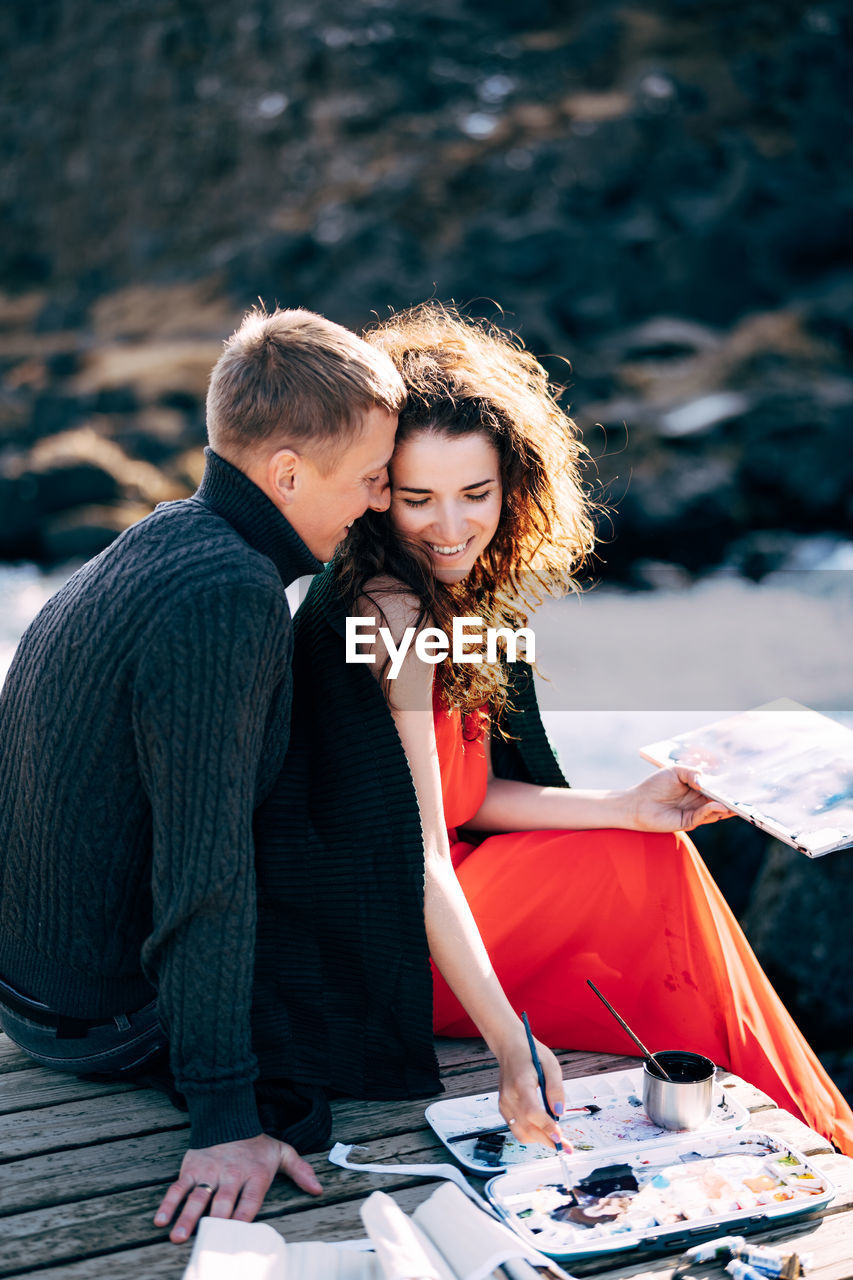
(531, 1091)
(555, 1111)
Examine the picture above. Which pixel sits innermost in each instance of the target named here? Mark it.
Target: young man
(144, 718)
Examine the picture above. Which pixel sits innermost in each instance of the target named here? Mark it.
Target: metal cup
(683, 1102)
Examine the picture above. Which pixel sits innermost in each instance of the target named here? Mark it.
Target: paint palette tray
(603, 1113)
(660, 1195)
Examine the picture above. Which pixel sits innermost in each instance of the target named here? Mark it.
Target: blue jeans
(119, 1045)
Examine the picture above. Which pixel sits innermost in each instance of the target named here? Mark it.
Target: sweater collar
(232, 495)
(329, 600)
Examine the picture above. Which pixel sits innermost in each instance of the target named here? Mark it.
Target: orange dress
(639, 914)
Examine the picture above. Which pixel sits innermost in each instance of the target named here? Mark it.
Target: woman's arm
(454, 940)
(668, 800)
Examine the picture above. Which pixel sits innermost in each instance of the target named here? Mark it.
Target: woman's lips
(448, 552)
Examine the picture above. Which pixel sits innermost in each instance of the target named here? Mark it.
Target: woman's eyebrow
(407, 488)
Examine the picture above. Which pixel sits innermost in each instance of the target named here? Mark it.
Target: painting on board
(783, 767)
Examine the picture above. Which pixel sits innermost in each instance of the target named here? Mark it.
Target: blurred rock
(798, 921)
(143, 312)
(135, 478)
(64, 473)
(659, 575)
(187, 469)
(702, 414)
(757, 554)
(734, 852)
(28, 498)
(152, 370)
(83, 532)
(839, 1063)
(649, 192)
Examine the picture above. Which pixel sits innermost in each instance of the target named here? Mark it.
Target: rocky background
(657, 193)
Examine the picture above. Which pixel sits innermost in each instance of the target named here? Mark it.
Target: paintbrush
(591, 1109)
(624, 1025)
(540, 1075)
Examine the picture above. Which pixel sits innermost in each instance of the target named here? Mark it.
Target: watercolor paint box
(603, 1113)
(659, 1196)
(634, 1186)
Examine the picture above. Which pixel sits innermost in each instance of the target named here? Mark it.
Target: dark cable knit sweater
(343, 988)
(144, 717)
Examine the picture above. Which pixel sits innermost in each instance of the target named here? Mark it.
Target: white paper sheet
(403, 1250)
(473, 1244)
(229, 1250)
(224, 1249)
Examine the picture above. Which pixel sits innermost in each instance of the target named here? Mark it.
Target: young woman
(545, 886)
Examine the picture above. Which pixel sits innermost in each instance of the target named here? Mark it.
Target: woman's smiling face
(446, 495)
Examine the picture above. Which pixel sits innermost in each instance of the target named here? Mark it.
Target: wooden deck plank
(89, 1117)
(60, 1178)
(85, 1121)
(156, 1262)
(124, 1218)
(828, 1238)
(11, 1057)
(455, 1056)
(103, 1123)
(57, 1176)
(29, 1086)
(83, 1209)
(34, 1087)
(66, 1232)
(118, 1163)
(167, 1261)
(63, 1123)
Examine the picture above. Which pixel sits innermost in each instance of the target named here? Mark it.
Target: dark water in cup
(683, 1067)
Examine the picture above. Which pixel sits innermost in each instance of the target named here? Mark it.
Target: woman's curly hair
(462, 377)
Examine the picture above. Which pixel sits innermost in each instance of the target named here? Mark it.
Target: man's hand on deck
(230, 1180)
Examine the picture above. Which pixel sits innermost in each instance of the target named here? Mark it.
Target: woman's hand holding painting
(670, 800)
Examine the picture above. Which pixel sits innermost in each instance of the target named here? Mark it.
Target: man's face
(324, 506)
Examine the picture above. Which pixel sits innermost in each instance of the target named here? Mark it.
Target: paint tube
(773, 1263)
(711, 1251)
(739, 1270)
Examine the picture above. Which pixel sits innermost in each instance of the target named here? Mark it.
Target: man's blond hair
(291, 378)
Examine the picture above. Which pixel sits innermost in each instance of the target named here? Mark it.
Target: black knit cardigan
(343, 989)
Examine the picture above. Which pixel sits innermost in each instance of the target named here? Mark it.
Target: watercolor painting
(782, 766)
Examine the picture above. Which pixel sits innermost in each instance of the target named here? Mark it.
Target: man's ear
(283, 474)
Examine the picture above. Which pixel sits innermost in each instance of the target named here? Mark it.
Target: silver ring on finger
(204, 1186)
